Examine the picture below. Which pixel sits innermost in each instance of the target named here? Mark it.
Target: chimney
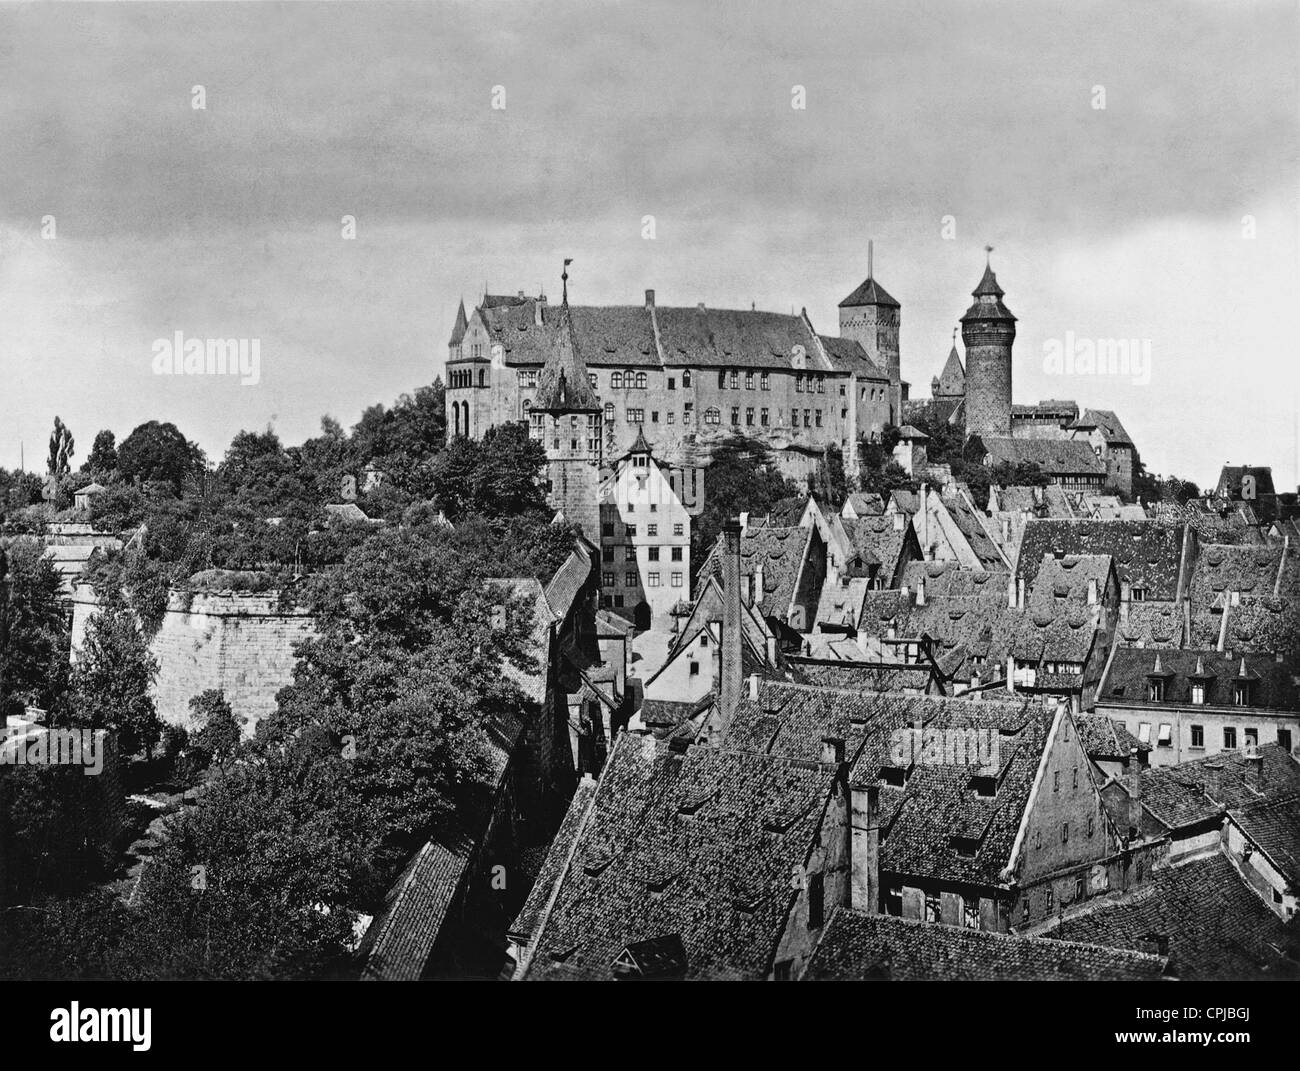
(1254, 767)
(1011, 673)
(732, 670)
(1020, 593)
(925, 520)
(758, 585)
(900, 522)
(864, 850)
(1134, 785)
(744, 522)
(521, 295)
(1092, 591)
(1011, 592)
(771, 650)
(832, 750)
(649, 299)
(538, 306)
(753, 687)
(920, 590)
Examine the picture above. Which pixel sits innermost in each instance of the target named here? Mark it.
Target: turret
(870, 317)
(988, 330)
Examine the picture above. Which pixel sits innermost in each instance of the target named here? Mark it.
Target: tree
(740, 478)
(494, 477)
(218, 735)
(111, 681)
(33, 630)
(103, 455)
(62, 448)
(159, 452)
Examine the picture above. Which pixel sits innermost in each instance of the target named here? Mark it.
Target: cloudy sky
(1128, 221)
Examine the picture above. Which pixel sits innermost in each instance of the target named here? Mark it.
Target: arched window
(629, 379)
(609, 411)
(616, 381)
(713, 415)
(640, 381)
(686, 377)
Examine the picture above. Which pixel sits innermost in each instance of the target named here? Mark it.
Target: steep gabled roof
(564, 385)
(461, 326)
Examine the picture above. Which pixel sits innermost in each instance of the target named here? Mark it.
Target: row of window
(632, 579)
(1156, 691)
(464, 377)
(1250, 736)
(629, 554)
(651, 530)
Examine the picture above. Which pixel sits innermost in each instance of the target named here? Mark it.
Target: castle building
(988, 330)
(688, 377)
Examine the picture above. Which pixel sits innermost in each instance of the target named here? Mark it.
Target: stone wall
(240, 642)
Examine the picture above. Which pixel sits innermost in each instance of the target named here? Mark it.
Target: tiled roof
(1264, 626)
(1106, 738)
(780, 552)
(971, 525)
(1152, 624)
(1049, 501)
(697, 846)
(951, 578)
(1191, 792)
(876, 537)
(1217, 928)
(1251, 571)
(952, 380)
(564, 383)
(847, 355)
(1273, 688)
(557, 860)
(568, 580)
(859, 946)
(866, 505)
(731, 337)
(841, 604)
(1274, 826)
(1061, 584)
(1146, 553)
(988, 300)
(1105, 422)
(399, 941)
(460, 327)
(1055, 457)
(869, 292)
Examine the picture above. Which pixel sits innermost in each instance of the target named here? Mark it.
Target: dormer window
(986, 788)
(1198, 693)
(1138, 594)
(1155, 690)
(1241, 693)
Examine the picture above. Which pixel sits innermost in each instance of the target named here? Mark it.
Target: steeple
(462, 325)
(564, 384)
(988, 296)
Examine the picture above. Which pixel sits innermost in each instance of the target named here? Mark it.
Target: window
(653, 580)
(1078, 889)
(686, 377)
(640, 381)
(677, 580)
(735, 380)
(1047, 906)
(1024, 911)
(672, 383)
(677, 554)
(735, 416)
(616, 381)
(607, 529)
(818, 417)
(1138, 595)
(1251, 737)
(1065, 832)
(749, 417)
(749, 380)
(1198, 736)
(636, 416)
(1229, 738)
(931, 907)
(695, 669)
(1076, 777)
(482, 377)
(591, 378)
(1198, 693)
(821, 384)
(816, 900)
(689, 413)
(629, 554)
(782, 971)
(1165, 737)
(894, 901)
(764, 382)
(630, 529)
(794, 418)
(1155, 690)
(653, 553)
(722, 380)
(1092, 823)
(1144, 732)
(1284, 739)
(606, 580)
(654, 416)
(798, 383)
(629, 579)
(762, 417)
(607, 554)
(652, 529)
(1240, 694)
(1056, 780)
(679, 529)
(807, 418)
(713, 415)
(970, 912)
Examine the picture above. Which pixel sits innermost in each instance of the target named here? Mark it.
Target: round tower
(988, 330)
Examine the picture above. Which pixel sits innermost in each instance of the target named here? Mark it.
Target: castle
(592, 382)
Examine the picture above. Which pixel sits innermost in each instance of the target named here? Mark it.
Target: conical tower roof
(988, 300)
(564, 384)
(462, 325)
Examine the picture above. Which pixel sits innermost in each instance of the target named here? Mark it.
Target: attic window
(894, 776)
(660, 957)
(965, 847)
(1138, 594)
(984, 787)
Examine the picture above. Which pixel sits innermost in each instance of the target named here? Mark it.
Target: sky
(127, 214)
